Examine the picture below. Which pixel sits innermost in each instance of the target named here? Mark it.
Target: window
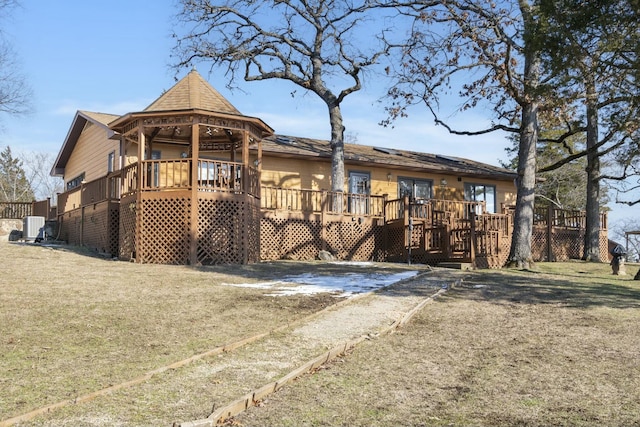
(415, 189)
(481, 193)
(111, 162)
(75, 182)
(359, 186)
(155, 180)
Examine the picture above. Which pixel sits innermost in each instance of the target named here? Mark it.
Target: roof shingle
(192, 92)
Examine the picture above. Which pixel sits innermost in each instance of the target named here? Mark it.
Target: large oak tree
(321, 46)
(591, 48)
(485, 54)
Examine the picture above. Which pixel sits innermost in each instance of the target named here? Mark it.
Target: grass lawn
(71, 324)
(559, 346)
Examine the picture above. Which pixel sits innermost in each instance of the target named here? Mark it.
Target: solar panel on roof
(386, 150)
(451, 159)
(285, 140)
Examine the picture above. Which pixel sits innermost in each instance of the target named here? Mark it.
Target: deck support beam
(195, 169)
(139, 183)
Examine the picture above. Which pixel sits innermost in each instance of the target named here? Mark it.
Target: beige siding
(295, 173)
(315, 174)
(91, 153)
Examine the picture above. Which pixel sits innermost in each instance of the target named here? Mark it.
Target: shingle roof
(290, 146)
(192, 92)
(102, 118)
(79, 121)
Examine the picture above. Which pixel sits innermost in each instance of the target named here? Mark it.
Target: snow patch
(344, 285)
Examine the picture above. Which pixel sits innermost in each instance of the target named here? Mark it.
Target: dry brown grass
(555, 347)
(71, 323)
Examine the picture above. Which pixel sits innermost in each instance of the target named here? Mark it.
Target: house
(190, 180)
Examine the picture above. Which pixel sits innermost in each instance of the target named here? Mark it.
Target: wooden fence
(15, 210)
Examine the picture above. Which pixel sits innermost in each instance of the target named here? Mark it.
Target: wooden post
(406, 215)
(323, 220)
(246, 188)
(550, 255)
(193, 220)
(140, 180)
(472, 238)
(259, 170)
(82, 218)
(385, 198)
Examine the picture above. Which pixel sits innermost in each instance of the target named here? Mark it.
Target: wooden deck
(159, 216)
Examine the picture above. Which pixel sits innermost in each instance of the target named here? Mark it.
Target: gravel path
(236, 379)
(363, 315)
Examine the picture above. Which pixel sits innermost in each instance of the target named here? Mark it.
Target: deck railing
(434, 211)
(563, 218)
(162, 175)
(69, 200)
(129, 179)
(212, 175)
(166, 174)
(316, 201)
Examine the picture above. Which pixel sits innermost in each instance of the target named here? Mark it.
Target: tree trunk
(337, 149)
(592, 226)
(520, 255)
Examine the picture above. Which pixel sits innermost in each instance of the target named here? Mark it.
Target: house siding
(91, 154)
(315, 173)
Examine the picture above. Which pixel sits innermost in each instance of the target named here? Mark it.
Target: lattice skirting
(396, 236)
(302, 237)
(164, 234)
(127, 229)
(228, 231)
(566, 244)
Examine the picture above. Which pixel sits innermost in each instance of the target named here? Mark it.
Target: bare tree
(15, 94)
(37, 166)
(322, 47)
(591, 49)
(492, 48)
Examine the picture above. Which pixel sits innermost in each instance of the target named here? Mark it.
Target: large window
(415, 189)
(481, 193)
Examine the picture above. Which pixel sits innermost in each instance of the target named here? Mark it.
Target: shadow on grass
(542, 288)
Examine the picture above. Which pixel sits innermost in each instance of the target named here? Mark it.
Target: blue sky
(113, 57)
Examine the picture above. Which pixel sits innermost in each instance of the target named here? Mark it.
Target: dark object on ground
(617, 262)
(15, 235)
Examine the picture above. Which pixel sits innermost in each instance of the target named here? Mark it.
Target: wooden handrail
(317, 201)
